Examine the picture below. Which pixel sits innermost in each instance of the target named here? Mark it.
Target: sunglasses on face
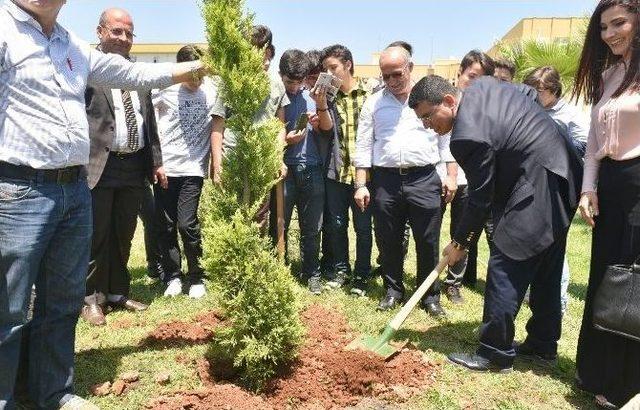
(396, 76)
(118, 32)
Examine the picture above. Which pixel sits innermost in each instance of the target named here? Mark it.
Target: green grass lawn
(103, 353)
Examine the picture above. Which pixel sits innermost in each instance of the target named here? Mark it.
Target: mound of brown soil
(324, 376)
(172, 333)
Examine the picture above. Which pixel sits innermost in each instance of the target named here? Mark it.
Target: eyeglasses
(118, 32)
(396, 76)
(426, 118)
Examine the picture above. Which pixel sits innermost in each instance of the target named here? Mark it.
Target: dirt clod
(163, 378)
(101, 389)
(117, 387)
(130, 377)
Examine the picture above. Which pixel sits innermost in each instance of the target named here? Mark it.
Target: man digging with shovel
(524, 172)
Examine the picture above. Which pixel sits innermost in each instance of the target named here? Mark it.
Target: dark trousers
(507, 283)
(151, 231)
(456, 272)
(178, 206)
(339, 199)
(304, 189)
(471, 272)
(327, 264)
(414, 197)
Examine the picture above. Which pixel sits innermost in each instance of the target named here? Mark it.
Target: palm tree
(528, 55)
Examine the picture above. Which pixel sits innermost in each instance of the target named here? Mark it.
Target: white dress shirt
(390, 135)
(441, 168)
(571, 119)
(121, 141)
(43, 123)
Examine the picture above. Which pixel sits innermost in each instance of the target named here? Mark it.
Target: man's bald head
(395, 55)
(396, 66)
(114, 14)
(115, 31)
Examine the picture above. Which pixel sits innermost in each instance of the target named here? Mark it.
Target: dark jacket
(100, 113)
(519, 167)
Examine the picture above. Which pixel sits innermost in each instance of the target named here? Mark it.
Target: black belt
(405, 170)
(126, 155)
(59, 176)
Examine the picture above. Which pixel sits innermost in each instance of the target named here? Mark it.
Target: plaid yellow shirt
(348, 106)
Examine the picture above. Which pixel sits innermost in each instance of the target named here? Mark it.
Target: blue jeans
(46, 238)
(339, 199)
(304, 189)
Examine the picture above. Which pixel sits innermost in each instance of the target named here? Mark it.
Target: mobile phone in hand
(302, 122)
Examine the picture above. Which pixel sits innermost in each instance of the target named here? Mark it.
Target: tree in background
(256, 291)
(528, 55)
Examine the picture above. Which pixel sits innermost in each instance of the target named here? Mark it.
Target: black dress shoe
(477, 363)
(129, 304)
(525, 351)
(435, 310)
(389, 302)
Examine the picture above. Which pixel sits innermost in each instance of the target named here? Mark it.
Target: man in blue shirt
(304, 184)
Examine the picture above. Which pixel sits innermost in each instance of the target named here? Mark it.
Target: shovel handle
(280, 245)
(399, 319)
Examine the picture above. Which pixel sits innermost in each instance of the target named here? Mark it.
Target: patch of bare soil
(324, 377)
(178, 332)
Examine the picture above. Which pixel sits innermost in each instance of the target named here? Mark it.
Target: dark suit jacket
(100, 113)
(519, 168)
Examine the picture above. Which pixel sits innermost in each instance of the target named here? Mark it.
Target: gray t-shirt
(277, 98)
(184, 125)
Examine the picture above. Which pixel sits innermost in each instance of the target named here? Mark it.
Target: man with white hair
(45, 203)
(400, 156)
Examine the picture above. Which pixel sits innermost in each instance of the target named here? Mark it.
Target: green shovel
(380, 344)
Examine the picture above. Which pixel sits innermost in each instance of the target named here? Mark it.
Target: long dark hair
(597, 56)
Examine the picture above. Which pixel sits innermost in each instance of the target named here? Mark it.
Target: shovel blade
(372, 344)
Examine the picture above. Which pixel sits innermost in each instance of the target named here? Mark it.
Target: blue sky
(436, 28)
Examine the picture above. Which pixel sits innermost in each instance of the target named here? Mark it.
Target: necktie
(130, 119)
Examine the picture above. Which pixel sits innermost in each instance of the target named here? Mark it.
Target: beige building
(158, 52)
(539, 28)
(555, 28)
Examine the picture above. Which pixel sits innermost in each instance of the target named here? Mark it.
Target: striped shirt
(348, 106)
(43, 123)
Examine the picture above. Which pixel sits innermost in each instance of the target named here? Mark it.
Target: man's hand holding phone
(300, 131)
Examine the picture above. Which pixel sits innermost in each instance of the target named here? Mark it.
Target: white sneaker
(197, 291)
(174, 288)
(78, 403)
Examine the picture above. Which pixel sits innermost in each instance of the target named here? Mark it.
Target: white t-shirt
(184, 127)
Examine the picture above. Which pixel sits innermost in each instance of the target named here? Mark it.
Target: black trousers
(507, 283)
(178, 206)
(607, 363)
(116, 201)
(152, 230)
(414, 197)
(471, 272)
(456, 272)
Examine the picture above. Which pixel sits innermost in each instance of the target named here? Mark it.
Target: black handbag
(616, 307)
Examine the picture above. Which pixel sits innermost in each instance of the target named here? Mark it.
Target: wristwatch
(358, 185)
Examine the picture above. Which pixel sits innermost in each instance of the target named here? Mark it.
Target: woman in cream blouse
(608, 76)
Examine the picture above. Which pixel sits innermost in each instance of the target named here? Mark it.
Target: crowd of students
(389, 154)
